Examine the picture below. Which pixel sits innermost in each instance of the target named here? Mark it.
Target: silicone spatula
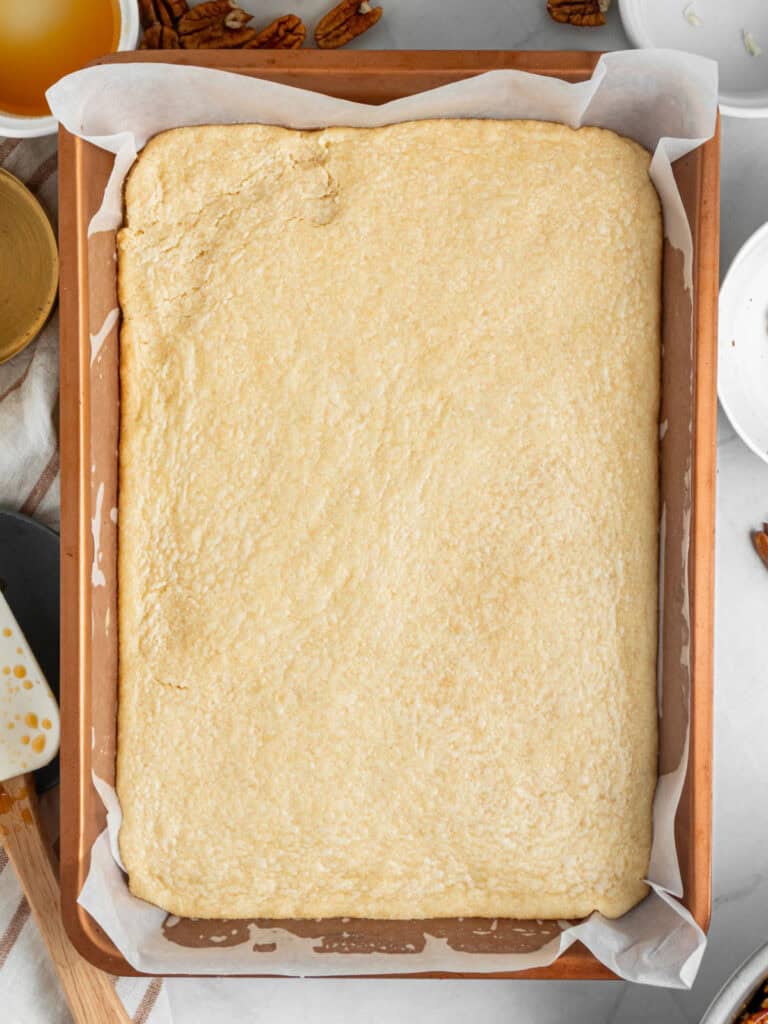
(29, 739)
(29, 714)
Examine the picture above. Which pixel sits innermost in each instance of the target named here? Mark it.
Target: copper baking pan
(89, 424)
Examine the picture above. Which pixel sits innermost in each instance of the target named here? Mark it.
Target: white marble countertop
(740, 913)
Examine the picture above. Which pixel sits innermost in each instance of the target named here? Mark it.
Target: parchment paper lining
(665, 100)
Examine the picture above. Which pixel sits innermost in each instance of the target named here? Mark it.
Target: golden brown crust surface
(388, 521)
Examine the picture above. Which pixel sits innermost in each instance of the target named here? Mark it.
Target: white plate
(743, 78)
(738, 989)
(742, 377)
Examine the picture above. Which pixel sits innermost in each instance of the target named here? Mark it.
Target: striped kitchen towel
(29, 383)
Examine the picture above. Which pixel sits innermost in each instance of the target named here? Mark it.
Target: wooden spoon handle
(90, 993)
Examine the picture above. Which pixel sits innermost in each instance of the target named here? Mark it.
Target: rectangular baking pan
(89, 419)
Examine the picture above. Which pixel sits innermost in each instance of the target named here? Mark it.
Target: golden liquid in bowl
(42, 40)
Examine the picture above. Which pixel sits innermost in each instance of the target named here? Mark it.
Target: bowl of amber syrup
(43, 40)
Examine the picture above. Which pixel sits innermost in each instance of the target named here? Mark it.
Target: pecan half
(216, 25)
(578, 12)
(347, 20)
(760, 540)
(147, 13)
(286, 33)
(177, 8)
(159, 37)
(161, 12)
(210, 15)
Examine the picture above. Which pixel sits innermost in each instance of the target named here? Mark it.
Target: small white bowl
(28, 127)
(742, 376)
(718, 32)
(739, 988)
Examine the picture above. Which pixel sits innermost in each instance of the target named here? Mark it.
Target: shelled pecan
(161, 12)
(578, 12)
(760, 540)
(177, 8)
(345, 22)
(212, 14)
(159, 37)
(286, 33)
(218, 24)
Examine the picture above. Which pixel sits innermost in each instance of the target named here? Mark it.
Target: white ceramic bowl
(738, 989)
(742, 376)
(28, 127)
(718, 33)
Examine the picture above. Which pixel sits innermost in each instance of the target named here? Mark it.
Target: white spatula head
(29, 714)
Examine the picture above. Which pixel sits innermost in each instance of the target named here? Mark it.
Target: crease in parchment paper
(666, 101)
